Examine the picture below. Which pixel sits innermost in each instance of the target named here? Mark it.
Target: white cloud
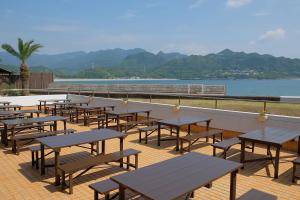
(128, 15)
(261, 14)
(56, 28)
(196, 4)
(237, 3)
(279, 33)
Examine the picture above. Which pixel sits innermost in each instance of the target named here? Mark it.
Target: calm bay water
(233, 87)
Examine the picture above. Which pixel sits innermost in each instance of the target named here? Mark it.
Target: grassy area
(277, 108)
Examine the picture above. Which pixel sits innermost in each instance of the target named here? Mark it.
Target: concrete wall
(30, 100)
(223, 119)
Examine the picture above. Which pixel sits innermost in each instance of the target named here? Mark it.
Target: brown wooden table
(126, 112)
(177, 123)
(271, 137)
(9, 107)
(43, 102)
(67, 105)
(10, 125)
(88, 109)
(178, 176)
(56, 143)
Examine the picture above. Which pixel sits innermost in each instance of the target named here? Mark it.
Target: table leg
(121, 192)
(103, 147)
(5, 136)
(118, 123)
(14, 145)
(233, 185)
(106, 120)
(189, 129)
(55, 126)
(207, 124)
(84, 117)
(121, 149)
(77, 115)
(45, 107)
(299, 145)
(40, 107)
(277, 162)
(243, 145)
(56, 160)
(54, 109)
(65, 124)
(177, 138)
(158, 134)
(42, 159)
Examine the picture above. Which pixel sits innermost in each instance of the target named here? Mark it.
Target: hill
(120, 63)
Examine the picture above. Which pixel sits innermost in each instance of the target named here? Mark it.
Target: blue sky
(186, 26)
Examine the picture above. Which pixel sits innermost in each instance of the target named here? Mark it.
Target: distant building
(10, 78)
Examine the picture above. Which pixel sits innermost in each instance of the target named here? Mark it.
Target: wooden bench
(36, 149)
(131, 124)
(104, 188)
(148, 130)
(225, 145)
(194, 137)
(295, 163)
(92, 161)
(257, 195)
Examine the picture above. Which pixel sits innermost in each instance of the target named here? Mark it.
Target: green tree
(26, 49)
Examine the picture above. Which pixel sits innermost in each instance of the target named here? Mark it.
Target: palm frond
(20, 45)
(10, 50)
(32, 49)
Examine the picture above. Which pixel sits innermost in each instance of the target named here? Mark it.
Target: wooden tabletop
(271, 135)
(71, 103)
(88, 107)
(10, 106)
(182, 121)
(14, 122)
(17, 112)
(173, 178)
(60, 141)
(5, 102)
(53, 100)
(127, 111)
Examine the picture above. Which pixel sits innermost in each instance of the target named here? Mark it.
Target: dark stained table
(178, 176)
(9, 107)
(11, 124)
(177, 123)
(271, 137)
(43, 102)
(8, 114)
(87, 109)
(56, 143)
(71, 104)
(126, 112)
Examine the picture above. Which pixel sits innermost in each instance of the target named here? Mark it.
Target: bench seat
(296, 162)
(225, 145)
(194, 137)
(257, 195)
(87, 163)
(104, 188)
(25, 137)
(148, 130)
(132, 124)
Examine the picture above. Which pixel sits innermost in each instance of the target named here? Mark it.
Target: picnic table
(178, 176)
(125, 113)
(67, 105)
(271, 137)
(9, 107)
(177, 123)
(88, 109)
(4, 103)
(43, 102)
(56, 143)
(12, 124)
(7, 114)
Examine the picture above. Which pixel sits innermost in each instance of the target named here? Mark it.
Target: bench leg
(207, 139)
(96, 196)
(252, 147)
(225, 153)
(181, 146)
(63, 180)
(71, 183)
(146, 137)
(190, 145)
(294, 173)
(214, 139)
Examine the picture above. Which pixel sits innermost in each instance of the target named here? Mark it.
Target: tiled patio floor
(18, 180)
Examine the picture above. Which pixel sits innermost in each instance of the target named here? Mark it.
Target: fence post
(127, 96)
(265, 107)
(216, 103)
(179, 100)
(150, 98)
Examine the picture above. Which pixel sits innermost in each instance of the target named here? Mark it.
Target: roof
(8, 69)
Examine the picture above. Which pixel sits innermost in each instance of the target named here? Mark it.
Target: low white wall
(30, 100)
(290, 99)
(223, 119)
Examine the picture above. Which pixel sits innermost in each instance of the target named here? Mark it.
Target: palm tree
(26, 49)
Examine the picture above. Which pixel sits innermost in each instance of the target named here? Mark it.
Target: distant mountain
(120, 63)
